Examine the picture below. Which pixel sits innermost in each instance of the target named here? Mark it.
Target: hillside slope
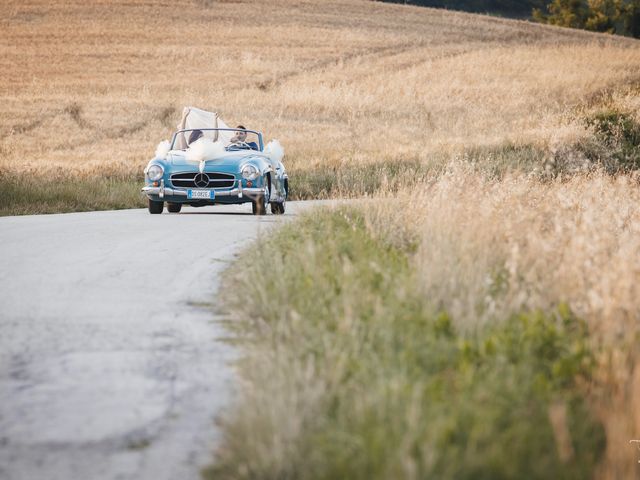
(96, 85)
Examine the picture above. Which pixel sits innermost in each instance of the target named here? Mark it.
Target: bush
(616, 141)
(619, 133)
(612, 141)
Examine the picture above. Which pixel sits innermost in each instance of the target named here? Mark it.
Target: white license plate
(207, 194)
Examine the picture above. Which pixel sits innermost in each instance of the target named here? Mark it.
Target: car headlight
(249, 172)
(155, 173)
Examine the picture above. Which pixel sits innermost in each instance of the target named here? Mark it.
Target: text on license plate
(208, 194)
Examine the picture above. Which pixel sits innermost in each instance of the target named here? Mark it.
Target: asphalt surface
(112, 365)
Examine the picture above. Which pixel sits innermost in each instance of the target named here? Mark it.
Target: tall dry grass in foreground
(489, 249)
(410, 350)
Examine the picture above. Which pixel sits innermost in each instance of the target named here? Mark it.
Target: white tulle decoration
(204, 149)
(163, 149)
(274, 150)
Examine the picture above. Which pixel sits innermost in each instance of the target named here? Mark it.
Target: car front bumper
(238, 192)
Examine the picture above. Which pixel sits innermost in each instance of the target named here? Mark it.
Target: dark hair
(242, 127)
(195, 135)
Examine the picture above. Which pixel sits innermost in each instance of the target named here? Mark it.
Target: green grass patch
(355, 180)
(616, 145)
(348, 372)
(30, 194)
(391, 175)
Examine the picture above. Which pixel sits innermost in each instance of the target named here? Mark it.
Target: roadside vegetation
(30, 193)
(468, 327)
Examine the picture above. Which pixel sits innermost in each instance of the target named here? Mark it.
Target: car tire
(278, 208)
(174, 207)
(155, 207)
(259, 206)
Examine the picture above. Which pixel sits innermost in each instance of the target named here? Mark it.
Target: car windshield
(232, 138)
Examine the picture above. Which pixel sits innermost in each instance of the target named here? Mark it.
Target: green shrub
(612, 143)
(618, 137)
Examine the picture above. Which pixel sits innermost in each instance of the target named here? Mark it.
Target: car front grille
(203, 180)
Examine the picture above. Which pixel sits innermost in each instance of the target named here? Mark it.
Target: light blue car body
(183, 179)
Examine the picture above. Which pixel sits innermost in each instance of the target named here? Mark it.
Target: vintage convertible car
(208, 163)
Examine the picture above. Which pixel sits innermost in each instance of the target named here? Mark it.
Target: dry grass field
(94, 86)
(366, 98)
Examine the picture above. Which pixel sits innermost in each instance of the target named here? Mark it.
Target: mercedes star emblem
(201, 180)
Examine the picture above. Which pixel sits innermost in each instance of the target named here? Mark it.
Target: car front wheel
(277, 208)
(259, 206)
(174, 207)
(155, 207)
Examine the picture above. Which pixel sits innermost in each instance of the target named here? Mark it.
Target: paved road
(109, 363)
